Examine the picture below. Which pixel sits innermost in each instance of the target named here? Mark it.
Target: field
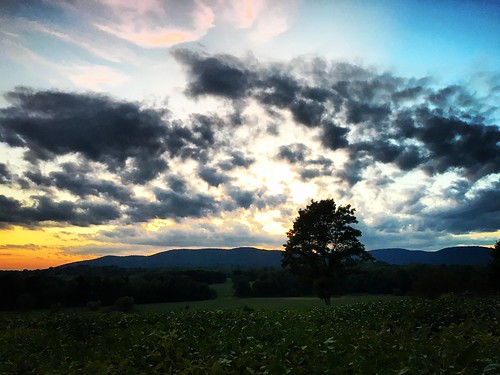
(403, 336)
(226, 300)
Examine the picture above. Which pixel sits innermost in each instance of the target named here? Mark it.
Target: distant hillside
(241, 257)
(249, 257)
(466, 255)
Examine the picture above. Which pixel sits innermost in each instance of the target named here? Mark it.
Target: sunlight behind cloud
(156, 224)
(271, 222)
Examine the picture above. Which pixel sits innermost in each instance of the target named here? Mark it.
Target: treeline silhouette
(419, 280)
(104, 286)
(94, 287)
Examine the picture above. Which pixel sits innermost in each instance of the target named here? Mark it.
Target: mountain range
(249, 257)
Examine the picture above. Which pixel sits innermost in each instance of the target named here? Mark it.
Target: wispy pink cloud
(149, 24)
(154, 24)
(96, 77)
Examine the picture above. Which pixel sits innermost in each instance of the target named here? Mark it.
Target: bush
(124, 304)
(56, 307)
(93, 305)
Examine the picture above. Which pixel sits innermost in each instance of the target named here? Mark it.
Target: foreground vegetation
(407, 336)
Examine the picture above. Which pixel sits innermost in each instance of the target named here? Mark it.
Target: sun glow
(271, 221)
(156, 224)
(22, 247)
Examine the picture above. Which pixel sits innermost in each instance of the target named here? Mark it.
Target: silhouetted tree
(494, 267)
(322, 245)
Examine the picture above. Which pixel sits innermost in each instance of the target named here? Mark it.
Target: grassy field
(405, 336)
(225, 300)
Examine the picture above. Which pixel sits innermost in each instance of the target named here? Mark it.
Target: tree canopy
(494, 267)
(322, 245)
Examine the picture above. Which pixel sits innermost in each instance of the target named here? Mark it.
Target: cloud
(298, 154)
(281, 133)
(5, 175)
(155, 24)
(375, 117)
(77, 179)
(121, 140)
(51, 123)
(172, 204)
(195, 234)
(236, 159)
(212, 177)
(245, 198)
(44, 209)
(294, 153)
(479, 213)
(221, 75)
(194, 138)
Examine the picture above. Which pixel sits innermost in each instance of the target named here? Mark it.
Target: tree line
(103, 286)
(419, 280)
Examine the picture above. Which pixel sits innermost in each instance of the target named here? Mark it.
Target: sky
(134, 127)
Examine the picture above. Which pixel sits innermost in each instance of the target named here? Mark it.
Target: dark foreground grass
(452, 336)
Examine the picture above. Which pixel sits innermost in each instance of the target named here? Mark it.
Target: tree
(494, 267)
(322, 246)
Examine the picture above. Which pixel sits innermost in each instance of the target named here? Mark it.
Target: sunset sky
(133, 127)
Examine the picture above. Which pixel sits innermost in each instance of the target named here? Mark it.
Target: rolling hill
(249, 257)
(464, 255)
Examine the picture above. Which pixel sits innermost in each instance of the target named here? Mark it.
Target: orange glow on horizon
(24, 248)
(21, 258)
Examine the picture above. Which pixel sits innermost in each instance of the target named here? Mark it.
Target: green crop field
(444, 336)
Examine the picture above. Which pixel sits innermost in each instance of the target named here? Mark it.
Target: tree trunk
(327, 300)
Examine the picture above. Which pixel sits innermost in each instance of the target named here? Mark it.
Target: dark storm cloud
(76, 179)
(481, 213)
(194, 138)
(277, 87)
(309, 173)
(131, 142)
(315, 168)
(51, 123)
(451, 143)
(222, 75)
(307, 168)
(307, 112)
(244, 198)
(334, 137)
(376, 117)
(237, 159)
(294, 153)
(173, 205)
(5, 175)
(212, 176)
(364, 112)
(177, 184)
(352, 173)
(44, 209)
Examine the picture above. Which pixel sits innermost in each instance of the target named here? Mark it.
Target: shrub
(125, 304)
(93, 305)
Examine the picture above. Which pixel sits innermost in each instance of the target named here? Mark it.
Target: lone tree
(494, 267)
(322, 245)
